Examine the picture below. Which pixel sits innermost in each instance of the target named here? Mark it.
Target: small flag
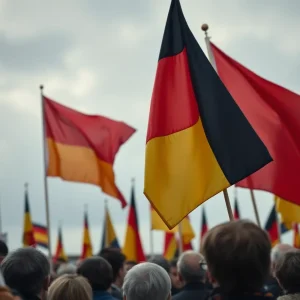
(204, 226)
(28, 234)
(272, 227)
(60, 254)
(273, 111)
(198, 142)
(40, 235)
(82, 148)
(133, 248)
(87, 249)
(236, 213)
(170, 246)
(290, 212)
(109, 237)
(296, 236)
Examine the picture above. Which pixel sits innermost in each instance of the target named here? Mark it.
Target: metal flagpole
(45, 178)
(105, 224)
(205, 27)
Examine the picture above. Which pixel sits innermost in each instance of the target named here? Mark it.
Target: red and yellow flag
(170, 246)
(60, 254)
(296, 236)
(87, 249)
(28, 233)
(192, 152)
(82, 148)
(133, 248)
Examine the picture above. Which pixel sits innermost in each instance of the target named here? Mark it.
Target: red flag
(274, 112)
(82, 148)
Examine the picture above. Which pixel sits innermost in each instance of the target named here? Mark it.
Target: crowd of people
(236, 262)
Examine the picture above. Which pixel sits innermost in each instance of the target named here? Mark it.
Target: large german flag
(28, 233)
(87, 249)
(82, 147)
(133, 248)
(198, 141)
(60, 254)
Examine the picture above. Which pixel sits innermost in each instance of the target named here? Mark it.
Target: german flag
(204, 226)
(236, 213)
(198, 142)
(40, 235)
(87, 249)
(60, 254)
(133, 248)
(28, 233)
(272, 227)
(296, 236)
(170, 246)
(109, 237)
(82, 147)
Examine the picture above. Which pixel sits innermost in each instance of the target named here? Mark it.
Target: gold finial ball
(204, 27)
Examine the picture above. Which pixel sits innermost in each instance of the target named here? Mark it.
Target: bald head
(189, 267)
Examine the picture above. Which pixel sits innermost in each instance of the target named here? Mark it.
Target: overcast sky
(100, 57)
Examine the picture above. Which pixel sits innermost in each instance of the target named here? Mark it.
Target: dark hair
(26, 270)
(161, 261)
(98, 272)
(116, 259)
(173, 263)
(288, 271)
(238, 256)
(3, 248)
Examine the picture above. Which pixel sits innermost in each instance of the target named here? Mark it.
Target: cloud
(100, 57)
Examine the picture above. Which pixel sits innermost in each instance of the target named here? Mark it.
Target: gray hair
(26, 270)
(147, 281)
(189, 266)
(278, 252)
(66, 269)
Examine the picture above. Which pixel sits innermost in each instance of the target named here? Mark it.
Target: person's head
(176, 283)
(98, 272)
(287, 271)
(147, 281)
(117, 260)
(189, 268)
(69, 286)
(3, 250)
(161, 261)
(66, 269)
(238, 256)
(277, 253)
(27, 271)
(129, 264)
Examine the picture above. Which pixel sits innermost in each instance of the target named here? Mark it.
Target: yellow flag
(290, 212)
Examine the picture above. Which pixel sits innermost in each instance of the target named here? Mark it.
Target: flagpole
(255, 207)
(180, 239)
(151, 235)
(45, 179)
(0, 217)
(105, 224)
(211, 58)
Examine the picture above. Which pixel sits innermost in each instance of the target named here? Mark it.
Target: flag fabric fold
(133, 248)
(82, 148)
(109, 237)
(273, 111)
(87, 249)
(198, 142)
(60, 254)
(28, 233)
(40, 235)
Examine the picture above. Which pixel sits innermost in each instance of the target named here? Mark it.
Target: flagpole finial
(41, 87)
(132, 180)
(26, 185)
(205, 28)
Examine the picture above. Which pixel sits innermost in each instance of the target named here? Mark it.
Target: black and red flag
(199, 141)
(272, 226)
